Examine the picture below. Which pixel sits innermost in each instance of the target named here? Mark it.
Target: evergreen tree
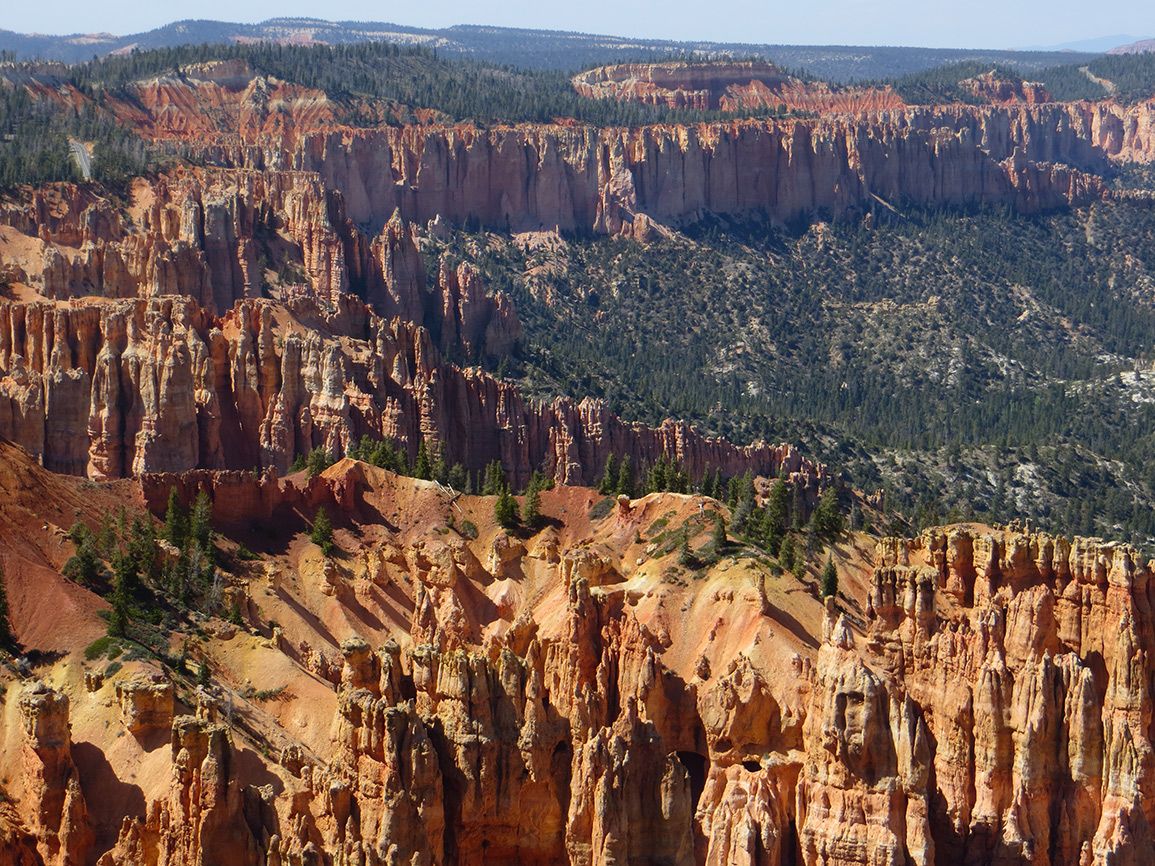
(422, 468)
(124, 573)
(84, 566)
(609, 483)
(458, 478)
(317, 462)
(106, 537)
(740, 519)
(531, 510)
(200, 529)
(827, 520)
(786, 553)
(176, 521)
(775, 517)
(494, 480)
(625, 478)
(856, 520)
(142, 547)
(719, 532)
(829, 579)
(322, 532)
(7, 638)
(505, 510)
(658, 478)
(798, 508)
(716, 484)
(118, 616)
(799, 566)
(685, 554)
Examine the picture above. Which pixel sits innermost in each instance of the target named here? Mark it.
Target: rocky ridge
(121, 388)
(973, 695)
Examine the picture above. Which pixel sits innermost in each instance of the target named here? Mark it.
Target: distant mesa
(1000, 89)
(1143, 46)
(730, 86)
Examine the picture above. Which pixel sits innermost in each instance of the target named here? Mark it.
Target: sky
(934, 23)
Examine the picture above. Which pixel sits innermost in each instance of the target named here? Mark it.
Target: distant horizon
(1053, 26)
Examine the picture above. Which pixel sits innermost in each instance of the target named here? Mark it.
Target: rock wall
(996, 709)
(583, 179)
(121, 388)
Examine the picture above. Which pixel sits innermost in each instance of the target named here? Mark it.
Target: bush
(467, 529)
(601, 508)
(101, 647)
(269, 694)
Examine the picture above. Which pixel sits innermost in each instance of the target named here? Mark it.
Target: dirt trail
(1106, 83)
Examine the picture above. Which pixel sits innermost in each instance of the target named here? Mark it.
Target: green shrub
(602, 508)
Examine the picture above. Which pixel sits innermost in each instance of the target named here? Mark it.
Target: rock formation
(727, 86)
(972, 695)
(121, 388)
(56, 812)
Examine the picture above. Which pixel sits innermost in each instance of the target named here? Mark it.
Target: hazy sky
(940, 23)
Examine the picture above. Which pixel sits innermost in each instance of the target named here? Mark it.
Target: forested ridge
(977, 364)
(971, 364)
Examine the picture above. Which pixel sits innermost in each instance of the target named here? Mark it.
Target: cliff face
(1024, 665)
(994, 707)
(124, 387)
(732, 87)
(573, 694)
(581, 179)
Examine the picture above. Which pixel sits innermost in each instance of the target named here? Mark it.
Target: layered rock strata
(125, 387)
(995, 709)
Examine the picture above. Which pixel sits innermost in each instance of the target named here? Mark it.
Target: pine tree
(774, 519)
(422, 468)
(531, 509)
(318, 461)
(176, 521)
(142, 547)
(719, 532)
(494, 480)
(7, 638)
(200, 529)
(118, 616)
(124, 573)
(799, 567)
(829, 579)
(685, 554)
(609, 482)
(322, 532)
(84, 566)
(458, 478)
(439, 471)
(625, 478)
(786, 553)
(106, 537)
(505, 510)
(741, 516)
(827, 520)
(798, 508)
